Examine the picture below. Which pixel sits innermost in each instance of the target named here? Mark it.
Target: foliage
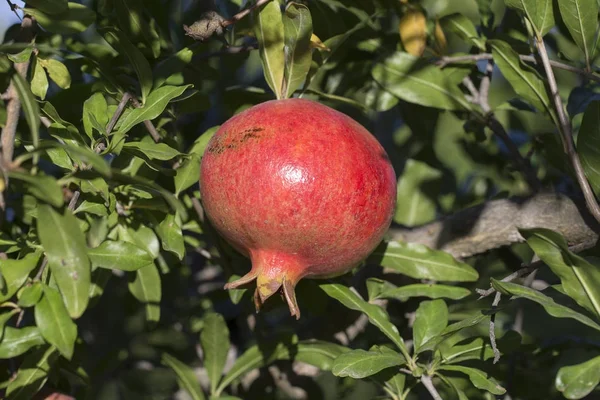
(111, 278)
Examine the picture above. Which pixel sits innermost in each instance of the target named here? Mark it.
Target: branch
(243, 13)
(119, 111)
(495, 224)
(428, 383)
(443, 61)
(566, 131)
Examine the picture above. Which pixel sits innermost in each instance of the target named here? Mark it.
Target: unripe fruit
(301, 189)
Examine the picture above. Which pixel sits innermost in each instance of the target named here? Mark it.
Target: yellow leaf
(316, 43)
(413, 32)
(441, 43)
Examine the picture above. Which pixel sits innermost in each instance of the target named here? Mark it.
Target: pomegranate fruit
(301, 189)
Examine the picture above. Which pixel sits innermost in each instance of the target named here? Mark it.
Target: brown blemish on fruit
(225, 142)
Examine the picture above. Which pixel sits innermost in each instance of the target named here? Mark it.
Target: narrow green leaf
(30, 107)
(119, 255)
(145, 238)
(15, 273)
(185, 376)
(417, 81)
(130, 14)
(30, 295)
(539, 12)
(19, 341)
(580, 279)
(464, 28)
(319, 353)
(95, 114)
(75, 20)
(588, 144)
(215, 345)
(50, 6)
(418, 207)
(57, 71)
(360, 364)
(147, 289)
(154, 151)
(297, 28)
(32, 374)
(478, 378)
(65, 247)
(44, 187)
(420, 262)
(268, 29)
(452, 329)
(54, 322)
(4, 318)
(377, 316)
(171, 236)
(136, 59)
(581, 19)
(432, 291)
(431, 319)
(551, 307)
(524, 79)
(477, 349)
(188, 174)
(39, 80)
(22, 56)
(155, 104)
(577, 381)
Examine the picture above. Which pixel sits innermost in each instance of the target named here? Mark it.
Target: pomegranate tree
(301, 189)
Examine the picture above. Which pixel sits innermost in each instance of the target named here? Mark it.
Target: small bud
(210, 22)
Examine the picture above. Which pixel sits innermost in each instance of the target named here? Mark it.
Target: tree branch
(443, 61)
(495, 224)
(566, 131)
(428, 383)
(243, 13)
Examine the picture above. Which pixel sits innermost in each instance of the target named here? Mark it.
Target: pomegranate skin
(301, 189)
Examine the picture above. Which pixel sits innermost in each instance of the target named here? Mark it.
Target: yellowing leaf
(413, 32)
(316, 43)
(441, 44)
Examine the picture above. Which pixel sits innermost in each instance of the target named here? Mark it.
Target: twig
(442, 62)
(567, 132)
(243, 13)
(14, 8)
(119, 111)
(493, 327)
(147, 123)
(428, 383)
(515, 275)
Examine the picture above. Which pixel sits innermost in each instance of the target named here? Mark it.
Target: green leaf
(186, 376)
(154, 151)
(169, 232)
(420, 262)
(581, 19)
(297, 28)
(91, 207)
(57, 72)
(44, 187)
(188, 174)
(54, 322)
(577, 381)
(268, 29)
(478, 378)
(30, 107)
(130, 14)
(319, 353)
(417, 206)
(145, 238)
(215, 345)
(377, 316)
(432, 291)
(580, 279)
(75, 20)
(19, 341)
(417, 81)
(539, 12)
(147, 289)
(30, 295)
(39, 80)
(155, 104)
(431, 319)
(95, 114)
(15, 273)
(551, 307)
(4, 318)
(452, 329)
(123, 256)
(50, 6)
(463, 28)
(588, 144)
(32, 374)
(65, 247)
(477, 349)
(136, 59)
(524, 79)
(360, 364)
(22, 56)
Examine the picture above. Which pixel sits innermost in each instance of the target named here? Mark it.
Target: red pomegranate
(301, 189)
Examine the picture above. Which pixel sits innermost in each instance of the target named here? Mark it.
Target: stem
(428, 383)
(566, 132)
(243, 13)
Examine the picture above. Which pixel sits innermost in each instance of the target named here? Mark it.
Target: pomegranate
(301, 189)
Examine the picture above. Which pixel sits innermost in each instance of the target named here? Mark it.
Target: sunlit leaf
(577, 381)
